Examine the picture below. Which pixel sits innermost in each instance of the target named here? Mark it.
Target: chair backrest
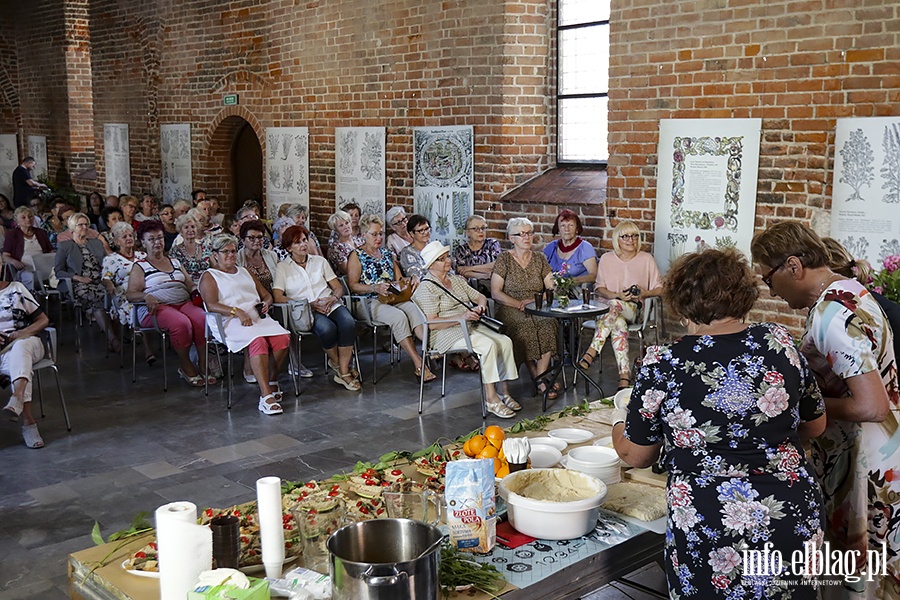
(650, 314)
(43, 265)
(48, 335)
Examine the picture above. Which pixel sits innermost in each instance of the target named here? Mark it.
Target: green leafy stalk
(457, 569)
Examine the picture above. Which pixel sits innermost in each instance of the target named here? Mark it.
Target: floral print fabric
(727, 408)
(376, 269)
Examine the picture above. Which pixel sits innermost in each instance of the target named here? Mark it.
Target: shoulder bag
(301, 314)
(399, 292)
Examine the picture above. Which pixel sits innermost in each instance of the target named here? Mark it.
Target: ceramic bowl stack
(599, 461)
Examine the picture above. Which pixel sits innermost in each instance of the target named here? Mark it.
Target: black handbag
(489, 322)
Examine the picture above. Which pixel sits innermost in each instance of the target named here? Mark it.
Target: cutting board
(646, 476)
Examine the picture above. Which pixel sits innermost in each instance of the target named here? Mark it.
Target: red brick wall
(798, 65)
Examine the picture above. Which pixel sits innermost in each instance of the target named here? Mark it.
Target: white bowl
(549, 520)
(559, 444)
(622, 398)
(543, 456)
(593, 457)
(572, 435)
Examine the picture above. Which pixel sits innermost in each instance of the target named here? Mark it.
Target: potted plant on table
(564, 285)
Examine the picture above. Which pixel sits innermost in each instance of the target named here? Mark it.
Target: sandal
(32, 436)
(510, 402)
(429, 376)
(460, 364)
(552, 393)
(14, 408)
(500, 409)
(473, 363)
(587, 360)
(276, 391)
(337, 369)
(627, 381)
(269, 408)
(196, 381)
(348, 381)
(150, 360)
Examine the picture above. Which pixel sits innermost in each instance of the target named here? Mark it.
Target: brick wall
(798, 65)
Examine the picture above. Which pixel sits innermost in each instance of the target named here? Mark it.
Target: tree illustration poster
(175, 153)
(865, 204)
(37, 149)
(359, 172)
(443, 179)
(116, 158)
(287, 168)
(9, 160)
(706, 185)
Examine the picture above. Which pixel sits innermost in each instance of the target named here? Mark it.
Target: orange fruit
(501, 455)
(467, 449)
(495, 435)
(503, 471)
(498, 464)
(487, 452)
(476, 444)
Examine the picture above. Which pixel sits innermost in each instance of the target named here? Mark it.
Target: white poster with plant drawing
(37, 149)
(706, 185)
(287, 167)
(9, 160)
(116, 157)
(359, 168)
(175, 151)
(443, 179)
(865, 205)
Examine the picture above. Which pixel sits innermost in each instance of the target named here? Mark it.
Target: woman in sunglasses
(625, 277)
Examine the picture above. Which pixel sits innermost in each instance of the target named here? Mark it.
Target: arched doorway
(246, 166)
(233, 170)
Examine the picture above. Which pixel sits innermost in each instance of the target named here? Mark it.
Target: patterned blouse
(338, 252)
(376, 269)
(464, 256)
(116, 268)
(194, 264)
(411, 262)
(435, 301)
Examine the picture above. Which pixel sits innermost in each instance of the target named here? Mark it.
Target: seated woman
(192, 252)
(400, 238)
(731, 401)
(299, 214)
(163, 284)
(410, 258)
(80, 260)
(518, 275)
(234, 293)
(22, 243)
(342, 242)
(371, 270)
(21, 319)
(7, 216)
(116, 270)
(475, 259)
(310, 277)
(95, 206)
(111, 216)
(577, 254)
(625, 277)
(498, 363)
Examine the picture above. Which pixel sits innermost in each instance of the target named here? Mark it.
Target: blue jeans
(336, 329)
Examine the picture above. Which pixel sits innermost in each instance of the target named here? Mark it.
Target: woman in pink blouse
(625, 278)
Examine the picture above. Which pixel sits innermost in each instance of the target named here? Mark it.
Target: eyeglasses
(630, 236)
(379, 234)
(227, 252)
(399, 222)
(522, 234)
(255, 238)
(156, 240)
(767, 278)
(422, 230)
(476, 229)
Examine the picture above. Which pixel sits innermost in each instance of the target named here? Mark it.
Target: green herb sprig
(457, 569)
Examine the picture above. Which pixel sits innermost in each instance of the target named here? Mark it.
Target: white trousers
(17, 361)
(496, 353)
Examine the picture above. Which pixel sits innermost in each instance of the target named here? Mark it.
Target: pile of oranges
(489, 445)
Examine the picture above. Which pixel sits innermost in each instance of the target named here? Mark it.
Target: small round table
(572, 315)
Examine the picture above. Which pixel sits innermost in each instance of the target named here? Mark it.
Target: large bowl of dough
(552, 504)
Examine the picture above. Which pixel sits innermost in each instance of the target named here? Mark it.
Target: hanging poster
(443, 179)
(865, 205)
(116, 155)
(175, 150)
(287, 167)
(359, 172)
(706, 187)
(37, 149)
(9, 160)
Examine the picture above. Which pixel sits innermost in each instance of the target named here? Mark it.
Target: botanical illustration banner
(706, 188)
(116, 155)
(37, 149)
(443, 179)
(287, 167)
(865, 206)
(9, 160)
(360, 172)
(175, 150)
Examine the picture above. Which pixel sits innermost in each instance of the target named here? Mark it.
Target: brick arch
(215, 168)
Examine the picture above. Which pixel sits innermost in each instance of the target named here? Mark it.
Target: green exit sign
(230, 100)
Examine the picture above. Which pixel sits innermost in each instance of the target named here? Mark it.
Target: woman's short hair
(474, 218)
(149, 226)
(295, 210)
(292, 234)
(183, 220)
(198, 214)
(843, 263)
(367, 221)
(338, 217)
(414, 221)
(393, 213)
(567, 215)
(624, 228)
(186, 204)
(249, 226)
(351, 206)
(518, 222)
(709, 285)
(129, 199)
(789, 238)
(21, 210)
(220, 240)
(281, 223)
(110, 210)
(119, 228)
(72, 221)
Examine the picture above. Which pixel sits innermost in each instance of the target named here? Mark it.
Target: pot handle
(374, 580)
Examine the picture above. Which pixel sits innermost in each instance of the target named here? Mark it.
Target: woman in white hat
(433, 295)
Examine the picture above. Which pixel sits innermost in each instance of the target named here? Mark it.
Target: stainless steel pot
(379, 560)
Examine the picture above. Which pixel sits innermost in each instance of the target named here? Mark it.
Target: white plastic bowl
(557, 443)
(622, 398)
(543, 456)
(552, 520)
(593, 456)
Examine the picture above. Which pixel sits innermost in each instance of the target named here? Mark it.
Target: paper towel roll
(271, 526)
(185, 549)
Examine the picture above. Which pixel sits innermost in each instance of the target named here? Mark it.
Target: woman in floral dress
(730, 401)
(849, 344)
(116, 268)
(192, 253)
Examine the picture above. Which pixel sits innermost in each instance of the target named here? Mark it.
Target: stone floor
(133, 448)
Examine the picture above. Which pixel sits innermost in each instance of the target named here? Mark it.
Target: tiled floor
(134, 448)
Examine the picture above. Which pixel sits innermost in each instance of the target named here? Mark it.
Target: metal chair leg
(62, 399)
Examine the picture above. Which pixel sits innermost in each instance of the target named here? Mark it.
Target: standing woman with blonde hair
(625, 277)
